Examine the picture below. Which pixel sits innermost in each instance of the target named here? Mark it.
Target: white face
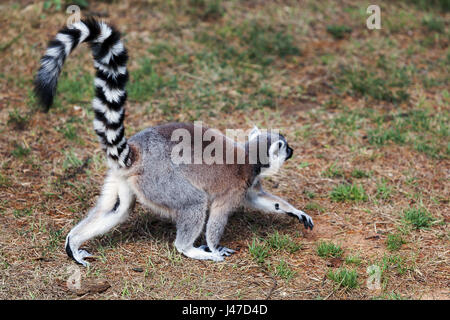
(278, 153)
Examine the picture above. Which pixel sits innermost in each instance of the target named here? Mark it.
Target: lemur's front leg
(259, 199)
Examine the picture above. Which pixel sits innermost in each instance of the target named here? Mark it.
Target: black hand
(304, 220)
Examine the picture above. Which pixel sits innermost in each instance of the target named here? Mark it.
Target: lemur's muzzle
(289, 151)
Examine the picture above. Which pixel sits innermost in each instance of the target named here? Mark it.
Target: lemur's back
(154, 147)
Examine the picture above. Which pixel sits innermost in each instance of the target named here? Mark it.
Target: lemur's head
(269, 150)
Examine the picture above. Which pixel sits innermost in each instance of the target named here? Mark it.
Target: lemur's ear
(274, 149)
(254, 133)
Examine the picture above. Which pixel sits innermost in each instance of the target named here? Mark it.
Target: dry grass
(232, 66)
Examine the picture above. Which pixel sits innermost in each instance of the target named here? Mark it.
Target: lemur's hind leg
(218, 218)
(189, 227)
(112, 209)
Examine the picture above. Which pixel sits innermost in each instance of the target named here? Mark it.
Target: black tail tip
(43, 95)
(69, 250)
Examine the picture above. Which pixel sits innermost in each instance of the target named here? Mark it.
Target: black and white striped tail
(110, 59)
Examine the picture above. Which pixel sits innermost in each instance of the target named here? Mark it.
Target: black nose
(290, 151)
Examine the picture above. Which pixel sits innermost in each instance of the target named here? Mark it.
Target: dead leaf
(334, 262)
(91, 287)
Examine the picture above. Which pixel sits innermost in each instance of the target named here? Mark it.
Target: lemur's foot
(302, 217)
(223, 251)
(77, 254)
(201, 254)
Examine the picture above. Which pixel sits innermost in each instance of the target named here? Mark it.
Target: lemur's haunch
(142, 167)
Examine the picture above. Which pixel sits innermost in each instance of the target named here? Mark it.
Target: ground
(366, 111)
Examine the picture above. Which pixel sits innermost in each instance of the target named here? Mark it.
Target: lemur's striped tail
(110, 58)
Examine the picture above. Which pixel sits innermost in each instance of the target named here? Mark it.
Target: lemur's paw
(223, 251)
(84, 253)
(304, 218)
(79, 256)
(307, 221)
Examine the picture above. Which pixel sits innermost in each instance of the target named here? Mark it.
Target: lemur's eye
(280, 145)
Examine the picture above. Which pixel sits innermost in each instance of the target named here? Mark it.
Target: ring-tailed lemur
(142, 168)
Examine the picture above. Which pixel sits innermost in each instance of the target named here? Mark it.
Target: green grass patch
(55, 238)
(264, 41)
(359, 174)
(329, 250)
(52, 5)
(256, 43)
(420, 128)
(145, 82)
(339, 31)
(314, 206)
(428, 148)
(309, 194)
(393, 263)
(418, 217)
(384, 82)
(442, 5)
(4, 181)
(284, 271)
(382, 136)
(277, 242)
(265, 96)
(356, 260)
(390, 296)
(74, 87)
(70, 132)
(258, 250)
(20, 151)
(18, 213)
(333, 171)
(71, 161)
(344, 277)
(394, 242)
(433, 24)
(332, 103)
(417, 120)
(206, 9)
(425, 131)
(395, 296)
(348, 121)
(383, 191)
(17, 119)
(348, 192)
